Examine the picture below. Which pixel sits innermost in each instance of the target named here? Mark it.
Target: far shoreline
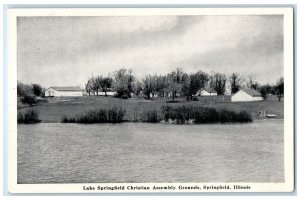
(53, 110)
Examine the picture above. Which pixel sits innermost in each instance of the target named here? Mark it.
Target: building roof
(66, 88)
(209, 90)
(251, 92)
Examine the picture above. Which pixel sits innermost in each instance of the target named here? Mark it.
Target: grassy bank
(56, 108)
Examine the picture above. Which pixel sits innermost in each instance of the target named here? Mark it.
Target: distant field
(56, 108)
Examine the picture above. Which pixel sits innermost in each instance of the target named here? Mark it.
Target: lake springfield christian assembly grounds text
(167, 188)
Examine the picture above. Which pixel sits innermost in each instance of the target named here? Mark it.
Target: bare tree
(251, 83)
(148, 85)
(235, 84)
(219, 83)
(96, 84)
(89, 87)
(175, 81)
(173, 87)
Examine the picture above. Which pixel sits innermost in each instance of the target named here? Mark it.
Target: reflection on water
(140, 152)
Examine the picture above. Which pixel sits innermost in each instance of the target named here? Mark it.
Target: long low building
(64, 92)
(206, 92)
(246, 95)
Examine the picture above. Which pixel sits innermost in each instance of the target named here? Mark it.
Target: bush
(124, 96)
(29, 117)
(244, 117)
(30, 100)
(112, 115)
(194, 98)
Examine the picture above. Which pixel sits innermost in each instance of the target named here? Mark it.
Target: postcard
(150, 100)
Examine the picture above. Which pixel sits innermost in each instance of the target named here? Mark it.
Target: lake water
(141, 152)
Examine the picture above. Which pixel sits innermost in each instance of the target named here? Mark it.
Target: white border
(288, 186)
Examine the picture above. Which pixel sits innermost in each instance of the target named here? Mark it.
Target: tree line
(176, 83)
(27, 93)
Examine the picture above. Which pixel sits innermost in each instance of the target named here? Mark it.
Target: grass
(56, 108)
(28, 117)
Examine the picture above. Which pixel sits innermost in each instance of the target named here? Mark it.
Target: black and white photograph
(151, 100)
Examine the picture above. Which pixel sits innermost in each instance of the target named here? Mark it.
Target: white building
(154, 94)
(246, 95)
(108, 93)
(64, 92)
(206, 92)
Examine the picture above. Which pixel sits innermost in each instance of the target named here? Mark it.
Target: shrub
(29, 117)
(112, 115)
(30, 100)
(194, 98)
(244, 117)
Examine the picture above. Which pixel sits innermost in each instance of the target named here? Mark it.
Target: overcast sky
(66, 51)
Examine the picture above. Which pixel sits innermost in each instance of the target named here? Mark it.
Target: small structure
(206, 92)
(261, 113)
(154, 94)
(64, 92)
(170, 94)
(246, 95)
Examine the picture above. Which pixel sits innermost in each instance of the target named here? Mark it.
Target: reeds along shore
(112, 115)
(28, 117)
(202, 115)
(167, 114)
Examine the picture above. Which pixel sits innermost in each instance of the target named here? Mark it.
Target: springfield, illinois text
(167, 188)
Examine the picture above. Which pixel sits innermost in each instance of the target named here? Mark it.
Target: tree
(279, 88)
(186, 88)
(173, 87)
(24, 90)
(148, 86)
(37, 90)
(235, 82)
(96, 84)
(219, 83)
(138, 87)
(130, 82)
(264, 92)
(161, 84)
(105, 82)
(199, 80)
(252, 84)
(124, 80)
(89, 86)
(175, 81)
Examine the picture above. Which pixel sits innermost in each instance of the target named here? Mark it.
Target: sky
(66, 51)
